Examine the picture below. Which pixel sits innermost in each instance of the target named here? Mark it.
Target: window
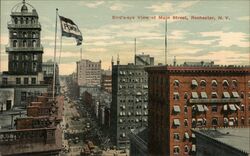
(176, 83)
(23, 96)
(194, 84)
(203, 95)
(177, 109)
(234, 83)
(185, 95)
(199, 122)
(21, 21)
(34, 43)
(185, 122)
(186, 135)
(225, 83)
(27, 20)
(24, 43)
(214, 95)
(25, 34)
(214, 108)
(18, 80)
(176, 149)
(214, 83)
(176, 96)
(195, 95)
(33, 35)
(16, 20)
(214, 121)
(203, 83)
(242, 95)
(176, 122)
(15, 43)
(185, 109)
(193, 123)
(176, 136)
(186, 149)
(33, 80)
(34, 67)
(242, 107)
(226, 95)
(14, 34)
(26, 80)
(235, 95)
(35, 57)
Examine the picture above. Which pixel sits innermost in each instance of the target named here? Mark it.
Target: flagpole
(166, 42)
(59, 61)
(54, 72)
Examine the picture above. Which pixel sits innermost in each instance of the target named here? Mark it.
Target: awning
(177, 109)
(232, 107)
(226, 95)
(193, 148)
(214, 94)
(237, 107)
(203, 95)
(225, 107)
(200, 108)
(195, 95)
(235, 95)
(186, 135)
(194, 83)
(177, 122)
(205, 108)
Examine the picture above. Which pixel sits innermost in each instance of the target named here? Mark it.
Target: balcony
(214, 101)
(11, 25)
(18, 49)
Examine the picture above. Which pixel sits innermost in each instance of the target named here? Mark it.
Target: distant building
(24, 55)
(106, 81)
(48, 69)
(6, 98)
(222, 141)
(138, 142)
(142, 59)
(194, 96)
(129, 108)
(88, 73)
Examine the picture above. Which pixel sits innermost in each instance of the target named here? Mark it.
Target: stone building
(129, 107)
(88, 73)
(194, 96)
(24, 54)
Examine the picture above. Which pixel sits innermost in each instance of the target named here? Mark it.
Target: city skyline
(104, 36)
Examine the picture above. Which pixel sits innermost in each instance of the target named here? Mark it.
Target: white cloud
(171, 7)
(95, 49)
(92, 4)
(201, 42)
(177, 34)
(228, 39)
(118, 7)
(244, 18)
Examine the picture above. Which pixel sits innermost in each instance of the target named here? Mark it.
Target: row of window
(176, 149)
(136, 120)
(132, 73)
(25, 66)
(25, 44)
(25, 34)
(25, 80)
(22, 20)
(124, 107)
(203, 95)
(136, 80)
(231, 121)
(203, 83)
(26, 57)
(135, 100)
(133, 86)
(137, 113)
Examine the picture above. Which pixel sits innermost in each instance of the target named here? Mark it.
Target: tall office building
(129, 108)
(194, 96)
(88, 73)
(24, 54)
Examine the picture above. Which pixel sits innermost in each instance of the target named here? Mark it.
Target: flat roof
(238, 138)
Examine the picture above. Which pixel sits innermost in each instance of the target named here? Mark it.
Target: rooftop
(235, 137)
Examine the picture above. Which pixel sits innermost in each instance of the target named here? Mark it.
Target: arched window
(25, 34)
(16, 20)
(234, 83)
(214, 122)
(27, 20)
(176, 83)
(225, 83)
(34, 43)
(24, 43)
(214, 83)
(33, 35)
(21, 20)
(203, 83)
(15, 43)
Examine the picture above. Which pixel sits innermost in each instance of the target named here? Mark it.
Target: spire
(118, 60)
(174, 61)
(24, 7)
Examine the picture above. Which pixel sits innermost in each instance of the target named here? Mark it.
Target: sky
(110, 27)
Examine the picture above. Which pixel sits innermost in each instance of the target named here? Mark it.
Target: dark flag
(70, 29)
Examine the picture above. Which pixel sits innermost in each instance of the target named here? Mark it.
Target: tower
(24, 49)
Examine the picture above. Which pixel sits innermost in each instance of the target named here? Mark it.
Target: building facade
(24, 54)
(88, 72)
(106, 81)
(185, 97)
(129, 107)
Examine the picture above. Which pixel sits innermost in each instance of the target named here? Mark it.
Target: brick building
(185, 97)
(88, 72)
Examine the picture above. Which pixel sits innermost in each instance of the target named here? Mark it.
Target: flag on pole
(70, 29)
